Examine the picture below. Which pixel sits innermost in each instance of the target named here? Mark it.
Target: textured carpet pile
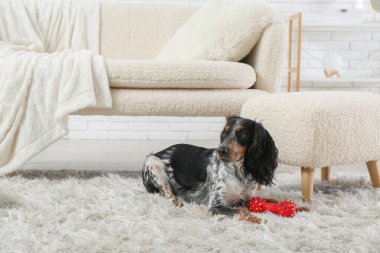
(110, 212)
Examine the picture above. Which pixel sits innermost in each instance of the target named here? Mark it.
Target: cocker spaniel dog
(223, 178)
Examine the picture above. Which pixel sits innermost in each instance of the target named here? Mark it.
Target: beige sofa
(132, 35)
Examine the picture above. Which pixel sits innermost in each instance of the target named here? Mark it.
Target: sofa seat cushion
(152, 74)
(176, 102)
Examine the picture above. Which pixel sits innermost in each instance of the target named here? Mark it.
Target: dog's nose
(223, 151)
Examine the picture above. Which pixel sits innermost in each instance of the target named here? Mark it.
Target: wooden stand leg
(373, 170)
(307, 184)
(325, 173)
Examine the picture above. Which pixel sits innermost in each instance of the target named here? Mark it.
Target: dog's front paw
(247, 216)
(177, 202)
(253, 219)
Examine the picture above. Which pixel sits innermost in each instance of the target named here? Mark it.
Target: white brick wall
(352, 46)
(145, 128)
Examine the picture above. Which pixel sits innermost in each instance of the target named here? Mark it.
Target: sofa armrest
(268, 56)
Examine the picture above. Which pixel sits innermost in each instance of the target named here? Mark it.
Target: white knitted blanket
(49, 68)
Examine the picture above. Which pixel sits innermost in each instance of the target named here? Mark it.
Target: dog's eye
(243, 134)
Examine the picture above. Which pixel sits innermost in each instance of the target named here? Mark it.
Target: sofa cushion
(222, 30)
(176, 102)
(152, 74)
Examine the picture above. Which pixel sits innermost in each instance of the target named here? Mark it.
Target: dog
(223, 179)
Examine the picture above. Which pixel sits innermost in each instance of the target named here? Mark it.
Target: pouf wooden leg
(325, 173)
(373, 170)
(307, 183)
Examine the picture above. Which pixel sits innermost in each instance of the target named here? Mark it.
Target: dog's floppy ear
(260, 161)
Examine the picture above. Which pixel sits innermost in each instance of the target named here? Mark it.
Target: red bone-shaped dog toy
(285, 209)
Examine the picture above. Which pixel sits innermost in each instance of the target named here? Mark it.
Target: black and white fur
(220, 178)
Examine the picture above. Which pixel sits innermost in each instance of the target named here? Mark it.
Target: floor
(121, 155)
(90, 211)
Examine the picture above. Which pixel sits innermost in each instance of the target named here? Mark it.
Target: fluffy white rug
(100, 212)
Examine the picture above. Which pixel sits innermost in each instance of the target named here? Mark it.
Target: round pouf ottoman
(321, 129)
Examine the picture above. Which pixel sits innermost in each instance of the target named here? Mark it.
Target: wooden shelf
(341, 26)
(342, 80)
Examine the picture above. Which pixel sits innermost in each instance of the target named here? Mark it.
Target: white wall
(353, 46)
(145, 128)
